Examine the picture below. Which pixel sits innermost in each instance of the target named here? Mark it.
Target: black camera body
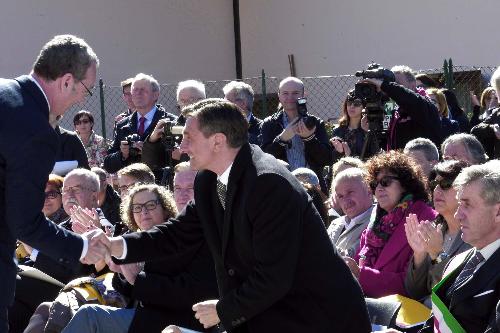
(172, 136)
(309, 121)
(131, 139)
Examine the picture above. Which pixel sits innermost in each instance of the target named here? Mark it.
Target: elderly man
(266, 259)
(241, 94)
(63, 74)
(353, 195)
(109, 201)
(463, 147)
(424, 152)
(183, 185)
(145, 93)
(286, 136)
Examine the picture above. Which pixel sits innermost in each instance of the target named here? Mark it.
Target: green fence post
(103, 113)
(264, 95)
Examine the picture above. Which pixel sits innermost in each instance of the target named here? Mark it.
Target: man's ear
(220, 141)
(66, 82)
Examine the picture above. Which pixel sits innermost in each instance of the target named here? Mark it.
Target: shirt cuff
(85, 247)
(34, 254)
(124, 253)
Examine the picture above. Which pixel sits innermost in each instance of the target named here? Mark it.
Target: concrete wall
(171, 39)
(330, 37)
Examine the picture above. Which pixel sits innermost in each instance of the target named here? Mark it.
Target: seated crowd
(409, 219)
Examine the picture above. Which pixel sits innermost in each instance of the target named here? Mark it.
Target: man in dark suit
(276, 268)
(470, 290)
(145, 93)
(241, 94)
(62, 75)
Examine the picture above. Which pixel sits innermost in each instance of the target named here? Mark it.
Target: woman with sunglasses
(400, 189)
(95, 145)
(435, 242)
(348, 136)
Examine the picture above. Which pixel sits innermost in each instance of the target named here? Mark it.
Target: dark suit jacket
(27, 156)
(476, 304)
(71, 148)
(254, 130)
(277, 270)
(113, 161)
(167, 289)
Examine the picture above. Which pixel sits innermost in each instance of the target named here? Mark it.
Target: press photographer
(412, 115)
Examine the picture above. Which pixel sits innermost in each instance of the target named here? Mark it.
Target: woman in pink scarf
(400, 189)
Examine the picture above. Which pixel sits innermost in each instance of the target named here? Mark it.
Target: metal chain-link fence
(325, 95)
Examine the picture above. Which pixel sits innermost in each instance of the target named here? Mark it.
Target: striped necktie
(221, 192)
(466, 273)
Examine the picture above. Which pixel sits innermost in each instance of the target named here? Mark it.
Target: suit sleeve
(270, 142)
(276, 214)
(318, 150)
(25, 183)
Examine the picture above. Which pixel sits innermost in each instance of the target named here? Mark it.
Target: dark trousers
(4, 324)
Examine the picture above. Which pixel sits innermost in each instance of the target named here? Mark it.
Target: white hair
(192, 84)
(242, 90)
(155, 86)
(91, 179)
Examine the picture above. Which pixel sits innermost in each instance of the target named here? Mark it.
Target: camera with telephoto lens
(131, 139)
(372, 99)
(309, 121)
(172, 136)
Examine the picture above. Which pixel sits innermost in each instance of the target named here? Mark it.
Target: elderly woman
(95, 145)
(165, 289)
(400, 189)
(434, 243)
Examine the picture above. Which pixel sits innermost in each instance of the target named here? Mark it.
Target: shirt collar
(355, 220)
(224, 178)
(249, 116)
(39, 86)
(149, 116)
(489, 249)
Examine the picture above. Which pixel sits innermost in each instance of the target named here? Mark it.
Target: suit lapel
(34, 91)
(479, 280)
(151, 126)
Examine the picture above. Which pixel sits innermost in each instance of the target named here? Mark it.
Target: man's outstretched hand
(98, 247)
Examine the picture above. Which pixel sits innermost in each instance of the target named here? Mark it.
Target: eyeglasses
(51, 194)
(82, 121)
(444, 184)
(88, 90)
(385, 181)
(125, 188)
(149, 205)
(76, 189)
(355, 103)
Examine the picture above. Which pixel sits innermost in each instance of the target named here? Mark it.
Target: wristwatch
(441, 256)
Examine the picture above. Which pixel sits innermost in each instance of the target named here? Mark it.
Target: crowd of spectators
(397, 214)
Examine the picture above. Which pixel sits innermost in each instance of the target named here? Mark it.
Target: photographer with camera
(295, 136)
(131, 131)
(414, 114)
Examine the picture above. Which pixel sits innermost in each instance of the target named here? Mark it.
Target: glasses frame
(385, 181)
(144, 205)
(76, 189)
(86, 88)
(444, 183)
(84, 121)
(51, 195)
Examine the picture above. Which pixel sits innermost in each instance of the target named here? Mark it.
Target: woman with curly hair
(400, 189)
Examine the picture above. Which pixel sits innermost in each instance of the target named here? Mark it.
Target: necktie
(140, 131)
(466, 273)
(221, 192)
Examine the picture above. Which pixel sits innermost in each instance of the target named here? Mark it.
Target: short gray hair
(155, 86)
(407, 71)
(471, 144)
(308, 174)
(495, 80)
(242, 90)
(426, 146)
(90, 178)
(65, 54)
(352, 174)
(291, 79)
(192, 84)
(488, 175)
(101, 173)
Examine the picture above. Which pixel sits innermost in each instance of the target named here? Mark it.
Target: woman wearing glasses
(348, 136)
(95, 145)
(400, 189)
(435, 242)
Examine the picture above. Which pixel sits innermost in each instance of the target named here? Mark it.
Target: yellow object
(411, 312)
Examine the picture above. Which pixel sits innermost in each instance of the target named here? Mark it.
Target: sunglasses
(385, 181)
(51, 194)
(355, 103)
(83, 121)
(444, 184)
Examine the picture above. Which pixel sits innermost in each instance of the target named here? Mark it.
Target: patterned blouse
(96, 149)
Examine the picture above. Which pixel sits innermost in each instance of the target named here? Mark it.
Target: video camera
(373, 99)
(131, 139)
(172, 136)
(309, 121)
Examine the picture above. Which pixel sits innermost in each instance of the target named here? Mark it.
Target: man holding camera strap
(131, 132)
(295, 136)
(415, 117)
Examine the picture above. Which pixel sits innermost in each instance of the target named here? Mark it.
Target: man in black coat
(276, 268)
(286, 137)
(71, 148)
(145, 93)
(62, 74)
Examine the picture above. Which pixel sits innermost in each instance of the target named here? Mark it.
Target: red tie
(142, 120)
